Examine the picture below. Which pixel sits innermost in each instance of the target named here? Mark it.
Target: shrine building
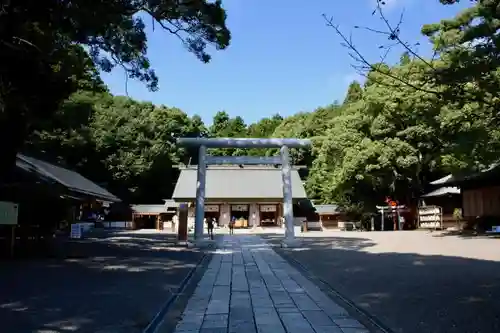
(251, 194)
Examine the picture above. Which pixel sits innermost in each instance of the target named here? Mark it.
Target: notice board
(8, 212)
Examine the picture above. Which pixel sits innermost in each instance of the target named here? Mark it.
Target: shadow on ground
(409, 293)
(467, 234)
(115, 282)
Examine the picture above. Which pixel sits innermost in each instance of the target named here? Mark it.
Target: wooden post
(12, 240)
(394, 219)
(382, 227)
(182, 230)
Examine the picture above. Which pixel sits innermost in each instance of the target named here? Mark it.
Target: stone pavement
(247, 287)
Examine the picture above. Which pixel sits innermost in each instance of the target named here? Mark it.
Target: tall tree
(354, 93)
(223, 126)
(387, 144)
(139, 142)
(44, 41)
(469, 53)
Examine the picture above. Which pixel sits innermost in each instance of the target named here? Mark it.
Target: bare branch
(357, 56)
(174, 32)
(395, 32)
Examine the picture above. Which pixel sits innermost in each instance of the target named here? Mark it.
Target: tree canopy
(409, 123)
(58, 44)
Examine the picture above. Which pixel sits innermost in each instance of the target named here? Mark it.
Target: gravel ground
(114, 283)
(412, 282)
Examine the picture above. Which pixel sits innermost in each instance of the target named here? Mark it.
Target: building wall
(330, 220)
(254, 213)
(481, 202)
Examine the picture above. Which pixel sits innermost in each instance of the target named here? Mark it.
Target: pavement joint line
(313, 278)
(267, 287)
(270, 269)
(158, 318)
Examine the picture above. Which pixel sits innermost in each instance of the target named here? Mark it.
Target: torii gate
(283, 160)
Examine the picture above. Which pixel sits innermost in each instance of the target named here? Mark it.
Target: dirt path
(115, 284)
(412, 282)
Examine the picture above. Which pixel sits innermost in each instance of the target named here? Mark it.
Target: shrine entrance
(283, 160)
(269, 215)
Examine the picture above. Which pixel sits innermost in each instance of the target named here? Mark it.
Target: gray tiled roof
(149, 209)
(443, 180)
(443, 191)
(327, 209)
(169, 203)
(229, 182)
(71, 180)
(465, 177)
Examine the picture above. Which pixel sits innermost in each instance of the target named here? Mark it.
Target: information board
(239, 208)
(267, 208)
(430, 217)
(211, 208)
(8, 213)
(76, 231)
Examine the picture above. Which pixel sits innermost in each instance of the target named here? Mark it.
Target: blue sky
(282, 58)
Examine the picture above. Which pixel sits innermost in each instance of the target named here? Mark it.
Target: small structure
(480, 191)
(154, 216)
(329, 215)
(395, 214)
(430, 217)
(446, 199)
(49, 198)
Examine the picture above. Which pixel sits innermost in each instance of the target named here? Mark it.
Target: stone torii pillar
(286, 171)
(201, 176)
(283, 160)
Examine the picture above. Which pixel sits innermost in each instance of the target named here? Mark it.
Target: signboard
(8, 213)
(430, 217)
(239, 208)
(267, 208)
(211, 208)
(76, 231)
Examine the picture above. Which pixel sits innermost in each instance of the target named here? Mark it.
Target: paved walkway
(249, 288)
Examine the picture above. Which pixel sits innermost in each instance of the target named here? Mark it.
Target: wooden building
(153, 216)
(253, 195)
(50, 198)
(329, 215)
(480, 195)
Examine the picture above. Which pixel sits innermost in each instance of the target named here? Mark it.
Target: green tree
(264, 128)
(139, 142)
(386, 144)
(468, 51)
(66, 138)
(225, 127)
(354, 93)
(44, 40)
